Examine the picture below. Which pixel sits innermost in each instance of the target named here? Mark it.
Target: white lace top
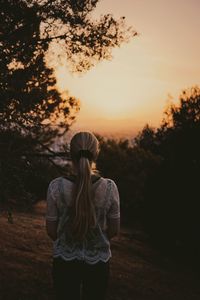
(96, 246)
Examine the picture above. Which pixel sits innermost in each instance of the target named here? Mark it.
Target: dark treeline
(158, 177)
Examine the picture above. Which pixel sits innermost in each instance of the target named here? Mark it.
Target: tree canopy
(172, 193)
(28, 93)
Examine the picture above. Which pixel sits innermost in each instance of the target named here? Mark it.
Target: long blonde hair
(84, 148)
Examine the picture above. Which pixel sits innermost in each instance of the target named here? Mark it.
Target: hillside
(137, 270)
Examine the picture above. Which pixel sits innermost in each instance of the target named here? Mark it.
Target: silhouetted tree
(29, 100)
(172, 194)
(28, 95)
(146, 139)
(130, 167)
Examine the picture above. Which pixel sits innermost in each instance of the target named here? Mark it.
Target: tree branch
(61, 36)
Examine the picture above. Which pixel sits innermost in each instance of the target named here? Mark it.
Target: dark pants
(75, 280)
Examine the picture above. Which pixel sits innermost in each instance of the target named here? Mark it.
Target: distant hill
(117, 128)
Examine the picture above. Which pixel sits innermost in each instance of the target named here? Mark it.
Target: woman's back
(82, 215)
(95, 246)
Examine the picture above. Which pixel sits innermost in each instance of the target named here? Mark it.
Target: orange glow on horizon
(135, 85)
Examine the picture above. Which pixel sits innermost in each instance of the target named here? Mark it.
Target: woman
(83, 214)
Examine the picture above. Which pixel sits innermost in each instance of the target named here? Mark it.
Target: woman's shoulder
(108, 185)
(109, 181)
(56, 182)
(58, 186)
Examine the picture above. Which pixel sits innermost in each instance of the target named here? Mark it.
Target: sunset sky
(133, 88)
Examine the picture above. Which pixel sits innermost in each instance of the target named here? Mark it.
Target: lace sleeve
(52, 194)
(114, 210)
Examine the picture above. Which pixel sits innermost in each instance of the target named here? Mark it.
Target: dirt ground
(138, 272)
